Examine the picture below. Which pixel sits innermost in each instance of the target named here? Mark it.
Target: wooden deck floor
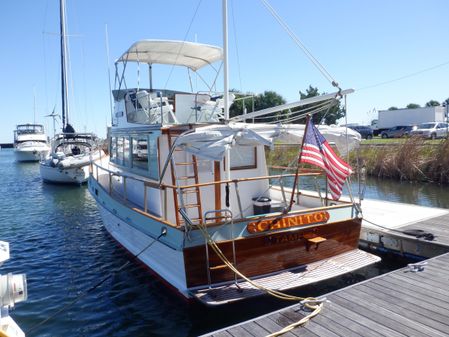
(400, 303)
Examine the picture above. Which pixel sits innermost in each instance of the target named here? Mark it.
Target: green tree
(393, 108)
(330, 116)
(432, 103)
(413, 106)
(266, 100)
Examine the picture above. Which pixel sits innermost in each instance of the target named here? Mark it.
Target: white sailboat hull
(76, 175)
(70, 170)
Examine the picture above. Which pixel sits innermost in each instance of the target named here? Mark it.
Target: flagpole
(297, 166)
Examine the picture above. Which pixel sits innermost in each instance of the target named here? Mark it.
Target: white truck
(390, 118)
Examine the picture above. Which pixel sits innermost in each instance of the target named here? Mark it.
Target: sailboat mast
(226, 81)
(225, 60)
(64, 85)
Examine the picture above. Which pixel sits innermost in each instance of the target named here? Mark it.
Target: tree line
(430, 103)
(250, 102)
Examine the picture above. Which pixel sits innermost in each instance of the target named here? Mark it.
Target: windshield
(426, 126)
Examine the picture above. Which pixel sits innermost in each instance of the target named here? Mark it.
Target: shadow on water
(57, 238)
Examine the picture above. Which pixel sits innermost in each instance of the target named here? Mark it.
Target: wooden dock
(400, 303)
(386, 223)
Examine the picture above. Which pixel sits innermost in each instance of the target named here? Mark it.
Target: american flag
(317, 151)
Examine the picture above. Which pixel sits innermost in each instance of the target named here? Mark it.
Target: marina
(197, 200)
(49, 240)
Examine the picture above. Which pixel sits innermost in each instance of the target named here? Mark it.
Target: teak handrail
(163, 187)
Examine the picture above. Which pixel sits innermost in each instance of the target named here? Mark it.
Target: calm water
(57, 238)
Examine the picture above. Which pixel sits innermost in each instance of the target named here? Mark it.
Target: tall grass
(414, 159)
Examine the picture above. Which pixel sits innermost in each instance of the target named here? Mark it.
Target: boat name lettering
(287, 222)
(273, 240)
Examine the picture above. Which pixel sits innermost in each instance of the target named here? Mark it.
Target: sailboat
(187, 190)
(71, 151)
(30, 142)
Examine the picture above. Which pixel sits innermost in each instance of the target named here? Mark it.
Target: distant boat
(72, 152)
(30, 142)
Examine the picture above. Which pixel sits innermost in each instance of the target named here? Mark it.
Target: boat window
(126, 154)
(120, 156)
(140, 152)
(243, 157)
(113, 149)
(153, 159)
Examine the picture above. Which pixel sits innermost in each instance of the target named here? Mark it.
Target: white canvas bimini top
(181, 53)
(211, 142)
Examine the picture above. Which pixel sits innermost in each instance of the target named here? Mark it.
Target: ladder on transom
(185, 172)
(226, 216)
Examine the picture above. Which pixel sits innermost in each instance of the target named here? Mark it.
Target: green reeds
(415, 159)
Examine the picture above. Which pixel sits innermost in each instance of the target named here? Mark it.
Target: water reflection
(419, 193)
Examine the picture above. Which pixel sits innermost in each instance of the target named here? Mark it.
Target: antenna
(109, 71)
(34, 105)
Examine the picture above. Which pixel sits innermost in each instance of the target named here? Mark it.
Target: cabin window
(153, 159)
(140, 152)
(120, 150)
(126, 154)
(243, 157)
(113, 148)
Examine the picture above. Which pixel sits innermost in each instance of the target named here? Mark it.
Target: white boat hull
(167, 262)
(77, 175)
(30, 154)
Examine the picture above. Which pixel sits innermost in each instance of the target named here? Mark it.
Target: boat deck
(314, 272)
(385, 226)
(400, 303)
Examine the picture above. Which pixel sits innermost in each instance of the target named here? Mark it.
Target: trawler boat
(30, 142)
(190, 195)
(72, 152)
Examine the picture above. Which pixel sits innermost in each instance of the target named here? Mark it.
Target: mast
(64, 84)
(226, 81)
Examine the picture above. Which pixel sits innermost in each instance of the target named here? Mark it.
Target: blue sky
(365, 45)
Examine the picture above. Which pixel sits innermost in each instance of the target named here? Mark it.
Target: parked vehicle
(431, 130)
(398, 131)
(365, 131)
(390, 118)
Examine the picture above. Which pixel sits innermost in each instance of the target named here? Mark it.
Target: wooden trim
(248, 179)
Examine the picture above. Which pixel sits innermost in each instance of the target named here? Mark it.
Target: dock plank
(398, 326)
(332, 312)
(286, 320)
(422, 285)
(239, 331)
(399, 303)
(409, 301)
(414, 296)
(271, 326)
(255, 329)
(413, 311)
